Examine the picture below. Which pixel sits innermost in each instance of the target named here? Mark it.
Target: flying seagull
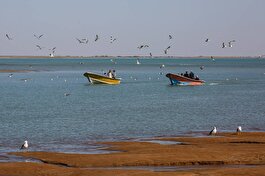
(230, 43)
(223, 45)
(38, 37)
(38, 46)
(207, 40)
(25, 145)
(9, 38)
(170, 37)
(84, 40)
(239, 129)
(166, 50)
(112, 39)
(150, 54)
(96, 39)
(213, 132)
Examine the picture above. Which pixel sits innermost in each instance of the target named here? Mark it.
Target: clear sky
(133, 22)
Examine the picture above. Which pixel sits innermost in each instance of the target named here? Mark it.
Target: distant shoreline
(154, 57)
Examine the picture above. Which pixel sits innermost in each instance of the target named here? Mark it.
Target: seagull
(162, 66)
(25, 145)
(96, 39)
(202, 67)
(138, 62)
(166, 50)
(213, 132)
(38, 37)
(38, 46)
(10, 75)
(223, 45)
(150, 54)
(84, 40)
(230, 43)
(207, 40)
(239, 129)
(9, 38)
(170, 37)
(67, 94)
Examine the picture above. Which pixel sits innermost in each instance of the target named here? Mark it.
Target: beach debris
(166, 50)
(239, 130)
(25, 145)
(38, 36)
(214, 131)
(8, 37)
(96, 39)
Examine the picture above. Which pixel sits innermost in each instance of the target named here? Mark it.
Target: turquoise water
(143, 105)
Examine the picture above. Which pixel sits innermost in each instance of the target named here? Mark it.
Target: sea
(55, 108)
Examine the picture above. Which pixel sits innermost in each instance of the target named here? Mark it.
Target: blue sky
(133, 22)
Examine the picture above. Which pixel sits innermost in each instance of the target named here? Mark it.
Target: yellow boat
(100, 79)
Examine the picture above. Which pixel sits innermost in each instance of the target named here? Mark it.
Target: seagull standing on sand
(25, 145)
(9, 38)
(239, 129)
(213, 132)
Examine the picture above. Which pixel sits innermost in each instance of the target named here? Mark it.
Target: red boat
(176, 79)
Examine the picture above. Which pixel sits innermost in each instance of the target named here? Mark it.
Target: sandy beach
(224, 154)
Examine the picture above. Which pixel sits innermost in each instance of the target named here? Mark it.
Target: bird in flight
(112, 39)
(84, 40)
(39, 47)
(170, 37)
(207, 40)
(223, 45)
(38, 37)
(143, 46)
(8, 37)
(230, 43)
(166, 50)
(96, 39)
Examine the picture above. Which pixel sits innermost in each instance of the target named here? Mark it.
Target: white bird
(9, 38)
(214, 131)
(138, 62)
(239, 129)
(25, 145)
(38, 37)
(166, 50)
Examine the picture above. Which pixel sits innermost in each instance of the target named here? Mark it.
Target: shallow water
(143, 105)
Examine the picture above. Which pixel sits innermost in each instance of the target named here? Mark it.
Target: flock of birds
(113, 39)
(213, 132)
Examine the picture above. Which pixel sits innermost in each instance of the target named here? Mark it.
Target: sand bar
(225, 154)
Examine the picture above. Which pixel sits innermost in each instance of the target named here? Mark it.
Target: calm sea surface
(33, 105)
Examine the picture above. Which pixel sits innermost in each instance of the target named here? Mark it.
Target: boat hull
(99, 79)
(176, 79)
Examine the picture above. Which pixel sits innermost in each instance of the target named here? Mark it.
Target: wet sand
(224, 154)
(15, 71)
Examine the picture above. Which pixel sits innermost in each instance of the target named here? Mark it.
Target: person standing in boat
(191, 75)
(113, 74)
(109, 74)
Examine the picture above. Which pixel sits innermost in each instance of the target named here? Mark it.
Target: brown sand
(226, 154)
